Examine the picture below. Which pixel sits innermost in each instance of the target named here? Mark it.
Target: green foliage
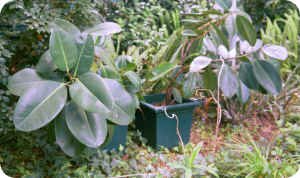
(194, 165)
(271, 9)
(284, 31)
(92, 99)
(251, 159)
(232, 49)
(145, 24)
(246, 30)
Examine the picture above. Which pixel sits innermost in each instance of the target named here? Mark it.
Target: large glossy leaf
(162, 70)
(199, 63)
(63, 50)
(267, 76)
(64, 138)
(247, 76)
(66, 26)
(96, 85)
(124, 104)
(39, 105)
(86, 99)
(85, 57)
(246, 29)
(46, 64)
(20, 82)
(228, 82)
(88, 128)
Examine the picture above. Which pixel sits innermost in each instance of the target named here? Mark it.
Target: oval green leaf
(228, 82)
(98, 87)
(86, 99)
(200, 63)
(88, 128)
(247, 76)
(64, 138)
(45, 64)
(63, 50)
(66, 26)
(86, 56)
(39, 106)
(23, 80)
(123, 111)
(162, 70)
(246, 29)
(267, 76)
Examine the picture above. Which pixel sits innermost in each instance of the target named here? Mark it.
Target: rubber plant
(62, 90)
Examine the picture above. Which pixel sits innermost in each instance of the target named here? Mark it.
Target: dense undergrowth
(269, 142)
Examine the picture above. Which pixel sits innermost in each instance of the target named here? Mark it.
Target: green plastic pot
(157, 128)
(116, 137)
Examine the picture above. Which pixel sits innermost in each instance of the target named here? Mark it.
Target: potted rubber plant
(121, 68)
(62, 90)
(143, 75)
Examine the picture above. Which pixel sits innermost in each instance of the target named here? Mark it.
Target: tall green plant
(243, 62)
(61, 89)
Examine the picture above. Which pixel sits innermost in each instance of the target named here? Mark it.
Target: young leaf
(23, 80)
(275, 51)
(228, 82)
(63, 50)
(39, 106)
(88, 128)
(199, 63)
(64, 138)
(85, 57)
(268, 77)
(246, 29)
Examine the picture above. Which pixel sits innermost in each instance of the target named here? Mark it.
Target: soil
(259, 126)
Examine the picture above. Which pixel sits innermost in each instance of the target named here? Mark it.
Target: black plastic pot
(160, 130)
(116, 137)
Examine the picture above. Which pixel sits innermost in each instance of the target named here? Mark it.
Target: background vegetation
(149, 26)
